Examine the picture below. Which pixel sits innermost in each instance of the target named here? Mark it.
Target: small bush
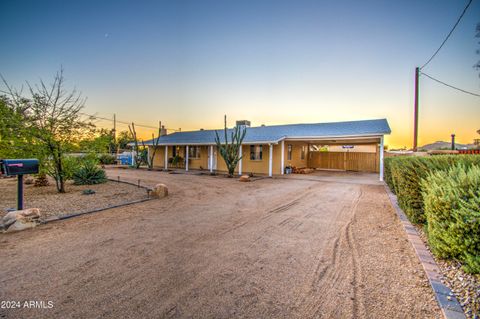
(88, 173)
(41, 180)
(452, 210)
(107, 159)
(404, 176)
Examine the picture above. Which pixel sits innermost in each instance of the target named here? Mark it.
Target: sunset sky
(187, 63)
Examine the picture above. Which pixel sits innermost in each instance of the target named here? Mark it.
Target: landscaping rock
(159, 191)
(21, 219)
(244, 178)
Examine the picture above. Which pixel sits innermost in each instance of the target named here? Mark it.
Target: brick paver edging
(451, 309)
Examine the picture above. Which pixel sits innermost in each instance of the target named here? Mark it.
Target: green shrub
(406, 173)
(89, 173)
(387, 172)
(452, 210)
(107, 159)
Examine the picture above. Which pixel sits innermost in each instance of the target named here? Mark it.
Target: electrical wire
(123, 122)
(450, 86)
(449, 34)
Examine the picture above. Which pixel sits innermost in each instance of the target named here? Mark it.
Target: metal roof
(276, 133)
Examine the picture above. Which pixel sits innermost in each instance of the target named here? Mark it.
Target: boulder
(159, 191)
(244, 178)
(21, 219)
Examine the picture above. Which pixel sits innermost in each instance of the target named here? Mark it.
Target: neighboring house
(269, 149)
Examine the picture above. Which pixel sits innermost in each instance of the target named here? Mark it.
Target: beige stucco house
(354, 145)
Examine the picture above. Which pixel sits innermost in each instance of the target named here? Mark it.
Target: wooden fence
(349, 161)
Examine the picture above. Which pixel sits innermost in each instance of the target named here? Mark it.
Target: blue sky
(189, 62)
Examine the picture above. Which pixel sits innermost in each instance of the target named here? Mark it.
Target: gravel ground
(465, 286)
(51, 203)
(218, 248)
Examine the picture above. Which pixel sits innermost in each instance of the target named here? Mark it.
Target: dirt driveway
(218, 248)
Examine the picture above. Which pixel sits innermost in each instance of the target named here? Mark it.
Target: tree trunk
(62, 185)
(61, 180)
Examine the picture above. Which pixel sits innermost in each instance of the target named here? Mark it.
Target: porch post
(282, 161)
(240, 162)
(210, 162)
(186, 158)
(381, 158)
(166, 157)
(270, 160)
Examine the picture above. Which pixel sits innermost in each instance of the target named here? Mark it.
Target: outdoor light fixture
(19, 167)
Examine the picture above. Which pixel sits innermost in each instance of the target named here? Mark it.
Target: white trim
(186, 158)
(381, 159)
(327, 138)
(166, 157)
(240, 162)
(293, 138)
(282, 157)
(270, 160)
(214, 144)
(210, 159)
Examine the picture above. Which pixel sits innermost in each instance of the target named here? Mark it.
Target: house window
(304, 150)
(194, 151)
(174, 151)
(289, 154)
(256, 152)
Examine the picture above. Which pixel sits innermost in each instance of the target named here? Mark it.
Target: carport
(357, 154)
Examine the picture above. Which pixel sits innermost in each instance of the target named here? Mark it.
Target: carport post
(240, 161)
(166, 157)
(186, 158)
(282, 164)
(211, 158)
(270, 160)
(381, 158)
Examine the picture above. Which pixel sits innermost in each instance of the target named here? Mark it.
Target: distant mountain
(441, 145)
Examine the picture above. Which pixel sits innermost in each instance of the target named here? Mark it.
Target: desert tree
(15, 142)
(138, 155)
(52, 118)
(230, 151)
(155, 142)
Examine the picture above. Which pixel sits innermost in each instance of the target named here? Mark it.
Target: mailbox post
(19, 167)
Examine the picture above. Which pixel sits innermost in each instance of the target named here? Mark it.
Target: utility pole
(415, 112)
(115, 132)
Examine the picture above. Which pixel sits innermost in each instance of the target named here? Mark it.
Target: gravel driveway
(218, 248)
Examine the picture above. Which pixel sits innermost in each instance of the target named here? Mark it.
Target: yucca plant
(88, 173)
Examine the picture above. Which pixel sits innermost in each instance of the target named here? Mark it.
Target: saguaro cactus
(231, 151)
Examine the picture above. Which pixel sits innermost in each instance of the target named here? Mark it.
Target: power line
(123, 122)
(451, 86)
(449, 34)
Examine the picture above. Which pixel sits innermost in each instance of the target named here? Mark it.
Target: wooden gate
(349, 161)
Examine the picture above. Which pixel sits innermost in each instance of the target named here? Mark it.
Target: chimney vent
(243, 123)
(163, 131)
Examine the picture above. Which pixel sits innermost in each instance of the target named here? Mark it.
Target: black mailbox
(11, 167)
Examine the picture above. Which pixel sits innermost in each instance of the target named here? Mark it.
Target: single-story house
(269, 149)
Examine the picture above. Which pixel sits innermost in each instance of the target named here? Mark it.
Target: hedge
(452, 209)
(404, 175)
